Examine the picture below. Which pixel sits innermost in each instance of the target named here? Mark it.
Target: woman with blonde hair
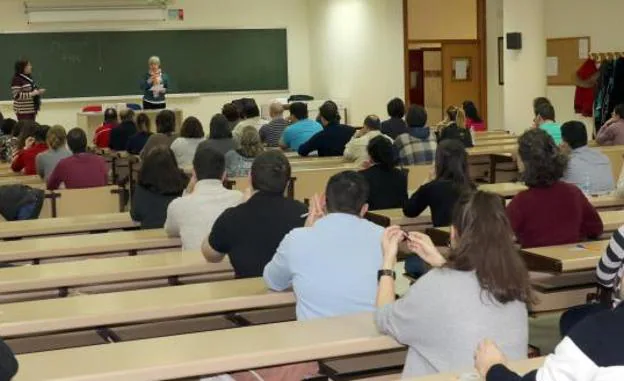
(56, 139)
(456, 127)
(238, 162)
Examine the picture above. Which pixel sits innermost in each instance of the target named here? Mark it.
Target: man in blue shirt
(331, 263)
(301, 128)
(334, 137)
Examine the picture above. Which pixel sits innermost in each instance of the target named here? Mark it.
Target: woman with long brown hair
(480, 291)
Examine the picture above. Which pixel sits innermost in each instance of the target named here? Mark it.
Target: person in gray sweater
(481, 291)
(46, 161)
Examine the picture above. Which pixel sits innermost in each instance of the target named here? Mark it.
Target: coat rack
(599, 57)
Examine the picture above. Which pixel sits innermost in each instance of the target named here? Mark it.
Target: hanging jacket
(586, 76)
(20, 202)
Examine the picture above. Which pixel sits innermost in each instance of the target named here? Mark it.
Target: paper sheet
(583, 48)
(552, 66)
(461, 69)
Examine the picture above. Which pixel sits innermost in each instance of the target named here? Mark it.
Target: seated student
(220, 138)
(184, 147)
(8, 363)
(395, 126)
(101, 139)
(301, 128)
(251, 117)
(119, 135)
(270, 174)
(144, 131)
(8, 140)
(319, 261)
(456, 128)
(473, 119)
(191, 216)
(165, 132)
(481, 290)
(56, 140)
(357, 148)
(588, 168)
(592, 351)
(332, 140)
(82, 169)
(551, 212)
(160, 181)
(238, 162)
(232, 115)
(612, 132)
(25, 159)
(545, 120)
(418, 145)
(387, 184)
(271, 133)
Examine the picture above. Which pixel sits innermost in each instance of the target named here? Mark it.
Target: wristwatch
(386, 272)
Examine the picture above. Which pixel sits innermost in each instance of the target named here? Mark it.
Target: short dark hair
(451, 163)
(540, 101)
(165, 122)
(250, 108)
(127, 115)
(346, 192)
(270, 172)
(546, 111)
(220, 127)
(329, 112)
(160, 173)
(471, 111)
(110, 115)
(41, 132)
(26, 129)
(192, 128)
(381, 152)
(20, 66)
(208, 163)
(396, 108)
(574, 134)
(143, 123)
(619, 110)
(8, 125)
(416, 116)
(299, 110)
(77, 140)
(230, 112)
(544, 164)
(372, 122)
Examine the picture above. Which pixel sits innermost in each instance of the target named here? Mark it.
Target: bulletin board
(564, 57)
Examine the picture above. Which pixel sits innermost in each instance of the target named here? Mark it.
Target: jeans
(415, 266)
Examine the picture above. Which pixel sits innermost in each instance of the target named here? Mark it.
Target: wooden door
(461, 82)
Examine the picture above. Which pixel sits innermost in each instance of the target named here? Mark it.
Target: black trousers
(153, 106)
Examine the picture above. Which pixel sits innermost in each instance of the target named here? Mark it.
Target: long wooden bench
(521, 367)
(237, 349)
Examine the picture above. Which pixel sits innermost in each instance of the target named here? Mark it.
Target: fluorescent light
(43, 14)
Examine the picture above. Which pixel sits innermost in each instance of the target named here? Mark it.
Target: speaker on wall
(514, 41)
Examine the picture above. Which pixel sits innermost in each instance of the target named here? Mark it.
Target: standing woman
(26, 94)
(154, 86)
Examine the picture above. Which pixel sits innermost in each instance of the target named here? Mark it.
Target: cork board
(564, 57)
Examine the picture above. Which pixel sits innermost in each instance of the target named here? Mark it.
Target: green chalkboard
(87, 64)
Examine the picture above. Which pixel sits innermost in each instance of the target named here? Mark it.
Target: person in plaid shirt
(419, 145)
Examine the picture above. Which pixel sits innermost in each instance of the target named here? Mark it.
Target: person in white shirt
(191, 216)
(357, 148)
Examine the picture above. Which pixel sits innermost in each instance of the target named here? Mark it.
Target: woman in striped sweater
(26, 94)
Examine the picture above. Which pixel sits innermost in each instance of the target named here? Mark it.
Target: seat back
(81, 202)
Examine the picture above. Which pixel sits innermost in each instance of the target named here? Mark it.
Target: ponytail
(460, 118)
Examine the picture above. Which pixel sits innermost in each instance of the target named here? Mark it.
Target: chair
(81, 202)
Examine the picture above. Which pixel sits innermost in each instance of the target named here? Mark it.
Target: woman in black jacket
(456, 127)
(160, 182)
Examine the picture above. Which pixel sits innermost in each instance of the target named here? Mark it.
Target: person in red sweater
(25, 159)
(102, 134)
(82, 169)
(551, 212)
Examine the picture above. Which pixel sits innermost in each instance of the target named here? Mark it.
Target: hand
(150, 80)
(390, 245)
(29, 142)
(487, 355)
(422, 245)
(316, 210)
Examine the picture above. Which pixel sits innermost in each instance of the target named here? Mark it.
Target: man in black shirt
(334, 137)
(251, 232)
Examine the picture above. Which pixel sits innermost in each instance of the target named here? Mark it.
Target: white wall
(292, 14)
(494, 29)
(357, 53)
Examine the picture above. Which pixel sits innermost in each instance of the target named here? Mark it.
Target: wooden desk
(496, 142)
(492, 150)
(565, 258)
(75, 245)
(21, 179)
(389, 217)
(521, 367)
(66, 225)
(505, 190)
(196, 354)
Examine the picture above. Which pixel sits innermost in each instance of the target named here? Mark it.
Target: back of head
(77, 140)
(416, 116)
(143, 122)
(451, 163)
(26, 129)
(478, 217)
(127, 115)
(619, 110)
(230, 112)
(543, 162)
(270, 172)
(471, 111)
(329, 112)
(20, 66)
(346, 192)
(160, 173)
(41, 132)
(381, 152)
(192, 128)
(396, 108)
(8, 126)
(276, 109)
(165, 122)
(540, 101)
(299, 110)
(220, 127)
(250, 108)
(574, 134)
(208, 164)
(372, 123)
(250, 142)
(451, 113)
(546, 111)
(57, 137)
(110, 116)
